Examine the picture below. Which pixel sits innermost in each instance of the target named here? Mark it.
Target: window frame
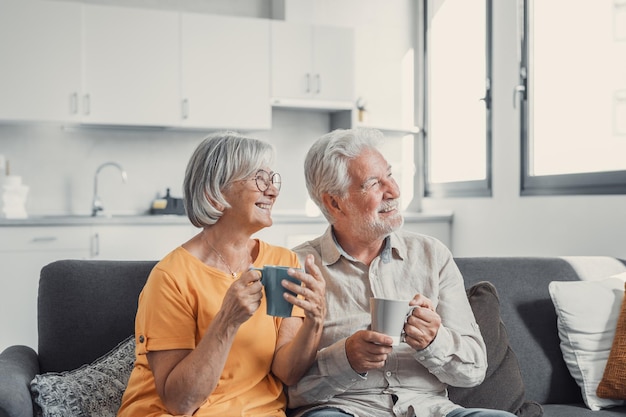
(473, 188)
(584, 183)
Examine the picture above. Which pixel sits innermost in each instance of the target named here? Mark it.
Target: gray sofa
(86, 308)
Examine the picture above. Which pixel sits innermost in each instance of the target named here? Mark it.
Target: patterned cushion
(613, 383)
(94, 389)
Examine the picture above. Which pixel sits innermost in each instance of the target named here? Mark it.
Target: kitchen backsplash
(58, 163)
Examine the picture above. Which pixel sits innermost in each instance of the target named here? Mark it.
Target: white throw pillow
(587, 313)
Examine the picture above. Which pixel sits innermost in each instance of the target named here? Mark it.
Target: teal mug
(271, 278)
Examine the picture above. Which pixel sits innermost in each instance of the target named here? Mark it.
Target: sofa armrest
(18, 366)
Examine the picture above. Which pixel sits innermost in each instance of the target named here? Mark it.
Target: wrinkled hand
(367, 350)
(312, 293)
(243, 297)
(422, 326)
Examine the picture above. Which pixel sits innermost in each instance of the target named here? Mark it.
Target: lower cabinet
(23, 252)
(289, 234)
(138, 242)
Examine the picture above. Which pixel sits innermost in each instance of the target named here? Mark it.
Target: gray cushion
(91, 390)
(85, 307)
(503, 387)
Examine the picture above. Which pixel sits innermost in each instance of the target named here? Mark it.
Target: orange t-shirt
(176, 306)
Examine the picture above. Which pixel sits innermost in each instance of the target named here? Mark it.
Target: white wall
(507, 224)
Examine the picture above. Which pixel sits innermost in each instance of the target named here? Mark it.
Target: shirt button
(141, 339)
(422, 358)
(388, 373)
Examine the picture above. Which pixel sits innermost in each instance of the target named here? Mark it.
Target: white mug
(389, 316)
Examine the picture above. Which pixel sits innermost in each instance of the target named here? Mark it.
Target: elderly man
(364, 253)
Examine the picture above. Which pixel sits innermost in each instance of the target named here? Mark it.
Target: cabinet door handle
(74, 103)
(86, 104)
(44, 239)
(307, 88)
(185, 108)
(95, 245)
(318, 81)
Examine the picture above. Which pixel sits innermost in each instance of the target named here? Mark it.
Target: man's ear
(331, 203)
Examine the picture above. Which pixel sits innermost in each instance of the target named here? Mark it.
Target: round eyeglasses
(263, 179)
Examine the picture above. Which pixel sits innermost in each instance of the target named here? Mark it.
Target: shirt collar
(332, 250)
(328, 248)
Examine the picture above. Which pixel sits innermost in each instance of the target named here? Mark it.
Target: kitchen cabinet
(130, 66)
(312, 66)
(40, 49)
(23, 252)
(69, 62)
(29, 244)
(138, 242)
(291, 233)
(225, 72)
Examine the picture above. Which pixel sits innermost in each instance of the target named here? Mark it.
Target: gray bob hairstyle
(326, 163)
(219, 160)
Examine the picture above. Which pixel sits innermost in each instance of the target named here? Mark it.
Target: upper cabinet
(312, 66)
(68, 62)
(72, 62)
(40, 55)
(130, 66)
(225, 72)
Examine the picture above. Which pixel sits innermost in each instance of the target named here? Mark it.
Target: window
(457, 98)
(573, 97)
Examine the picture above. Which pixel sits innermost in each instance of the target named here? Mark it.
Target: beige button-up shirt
(412, 383)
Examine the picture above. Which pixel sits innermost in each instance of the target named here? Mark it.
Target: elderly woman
(205, 345)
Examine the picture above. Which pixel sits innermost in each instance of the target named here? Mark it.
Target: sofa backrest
(530, 318)
(85, 308)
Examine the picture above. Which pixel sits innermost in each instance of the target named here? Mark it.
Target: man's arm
(330, 375)
(457, 355)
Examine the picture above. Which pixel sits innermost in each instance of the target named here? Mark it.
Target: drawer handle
(42, 239)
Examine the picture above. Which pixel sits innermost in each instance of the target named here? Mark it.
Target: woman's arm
(298, 339)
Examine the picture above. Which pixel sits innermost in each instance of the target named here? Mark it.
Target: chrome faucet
(96, 205)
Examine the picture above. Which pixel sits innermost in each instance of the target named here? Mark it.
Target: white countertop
(147, 219)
